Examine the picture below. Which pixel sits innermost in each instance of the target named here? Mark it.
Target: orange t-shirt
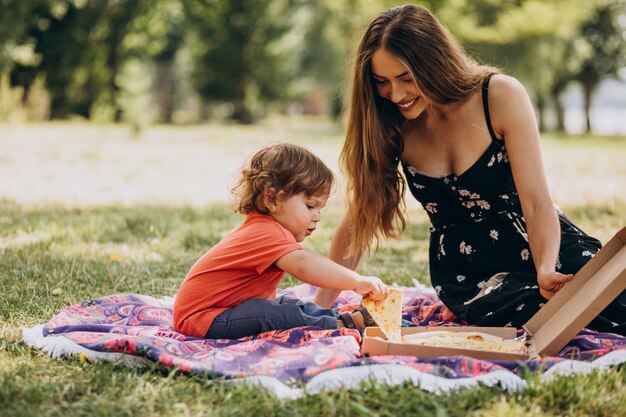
(238, 268)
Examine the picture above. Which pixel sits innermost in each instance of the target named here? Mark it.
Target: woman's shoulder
(509, 104)
(504, 88)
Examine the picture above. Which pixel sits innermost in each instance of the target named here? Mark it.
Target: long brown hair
(283, 169)
(373, 145)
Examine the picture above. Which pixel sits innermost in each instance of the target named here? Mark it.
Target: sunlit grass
(76, 255)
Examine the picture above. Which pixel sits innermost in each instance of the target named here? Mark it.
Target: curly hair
(282, 170)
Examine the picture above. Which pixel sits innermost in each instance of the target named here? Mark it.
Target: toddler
(230, 292)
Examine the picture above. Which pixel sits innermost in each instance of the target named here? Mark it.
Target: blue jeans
(259, 315)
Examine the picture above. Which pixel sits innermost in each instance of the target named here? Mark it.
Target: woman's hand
(551, 282)
(371, 287)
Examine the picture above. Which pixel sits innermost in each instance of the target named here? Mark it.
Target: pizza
(466, 340)
(387, 314)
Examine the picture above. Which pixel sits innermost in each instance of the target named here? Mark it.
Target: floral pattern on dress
(441, 251)
(431, 207)
(465, 248)
(525, 254)
(500, 157)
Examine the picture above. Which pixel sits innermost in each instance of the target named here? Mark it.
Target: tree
(165, 79)
(526, 38)
(574, 51)
(17, 46)
(605, 34)
(330, 33)
(242, 52)
(61, 43)
(81, 50)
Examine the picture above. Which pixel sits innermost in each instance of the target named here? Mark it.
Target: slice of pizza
(387, 314)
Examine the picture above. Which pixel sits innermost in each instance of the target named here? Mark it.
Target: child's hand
(551, 282)
(371, 287)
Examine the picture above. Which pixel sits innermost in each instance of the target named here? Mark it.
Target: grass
(56, 253)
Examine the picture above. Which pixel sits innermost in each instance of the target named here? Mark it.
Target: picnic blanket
(137, 330)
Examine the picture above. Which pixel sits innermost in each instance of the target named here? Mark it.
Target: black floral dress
(480, 261)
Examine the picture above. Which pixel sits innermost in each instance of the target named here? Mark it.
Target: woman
(467, 140)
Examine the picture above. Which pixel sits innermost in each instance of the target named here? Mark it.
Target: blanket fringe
(58, 346)
(273, 385)
(392, 375)
(167, 301)
(573, 367)
(353, 377)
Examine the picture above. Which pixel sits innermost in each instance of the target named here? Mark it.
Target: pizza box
(592, 289)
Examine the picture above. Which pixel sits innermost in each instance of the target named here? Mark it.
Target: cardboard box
(593, 288)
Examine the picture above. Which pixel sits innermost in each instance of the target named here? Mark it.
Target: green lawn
(55, 254)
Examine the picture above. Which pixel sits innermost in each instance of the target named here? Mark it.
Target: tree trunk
(113, 64)
(120, 17)
(541, 107)
(559, 110)
(165, 90)
(588, 93)
(5, 90)
(242, 113)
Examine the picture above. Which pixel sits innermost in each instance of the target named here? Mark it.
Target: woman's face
(395, 83)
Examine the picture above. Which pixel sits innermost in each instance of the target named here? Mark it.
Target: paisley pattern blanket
(137, 329)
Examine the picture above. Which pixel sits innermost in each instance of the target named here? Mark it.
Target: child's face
(299, 214)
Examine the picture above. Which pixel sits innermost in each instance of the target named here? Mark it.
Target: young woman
(468, 144)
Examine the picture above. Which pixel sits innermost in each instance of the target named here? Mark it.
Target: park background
(78, 79)
(123, 125)
(191, 61)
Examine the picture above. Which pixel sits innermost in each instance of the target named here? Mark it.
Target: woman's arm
(514, 119)
(322, 272)
(338, 248)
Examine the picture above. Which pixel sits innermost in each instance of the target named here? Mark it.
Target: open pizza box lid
(550, 329)
(593, 288)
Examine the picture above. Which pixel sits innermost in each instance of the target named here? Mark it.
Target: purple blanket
(140, 327)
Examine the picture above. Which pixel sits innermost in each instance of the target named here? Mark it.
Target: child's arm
(322, 272)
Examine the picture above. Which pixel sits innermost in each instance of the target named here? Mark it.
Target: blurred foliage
(144, 61)
(241, 51)
(608, 48)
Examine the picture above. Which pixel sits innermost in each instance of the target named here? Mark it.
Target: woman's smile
(407, 105)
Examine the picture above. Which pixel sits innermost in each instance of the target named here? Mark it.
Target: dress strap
(486, 105)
